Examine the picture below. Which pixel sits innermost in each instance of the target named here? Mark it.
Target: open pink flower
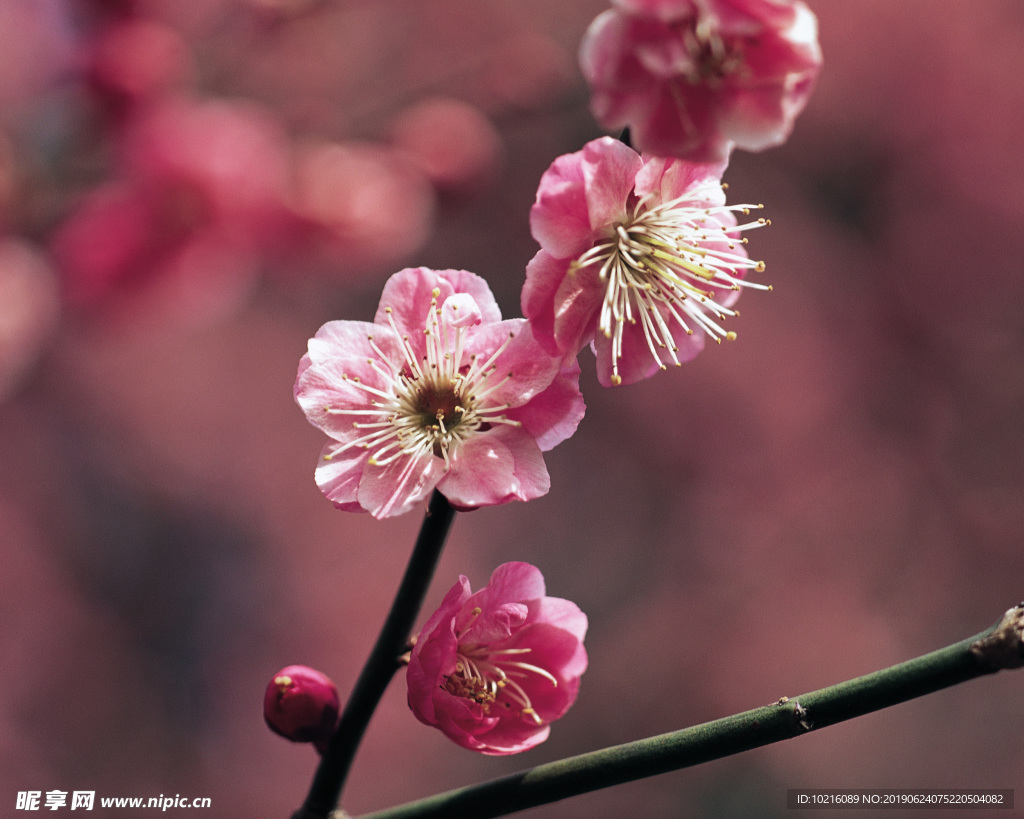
(437, 392)
(494, 669)
(636, 253)
(693, 78)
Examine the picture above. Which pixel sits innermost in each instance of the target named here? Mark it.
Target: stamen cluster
(427, 408)
(664, 265)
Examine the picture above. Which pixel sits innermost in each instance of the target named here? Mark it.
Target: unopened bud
(301, 704)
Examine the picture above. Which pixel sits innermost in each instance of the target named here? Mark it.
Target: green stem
(999, 647)
(382, 663)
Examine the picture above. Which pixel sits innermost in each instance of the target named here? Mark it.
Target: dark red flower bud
(301, 704)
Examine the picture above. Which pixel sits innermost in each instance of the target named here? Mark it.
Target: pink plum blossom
(358, 205)
(694, 78)
(438, 392)
(636, 254)
(493, 669)
(199, 196)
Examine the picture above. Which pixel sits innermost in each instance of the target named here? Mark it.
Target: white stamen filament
(427, 406)
(661, 266)
(485, 676)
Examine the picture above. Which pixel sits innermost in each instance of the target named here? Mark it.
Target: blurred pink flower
(358, 204)
(437, 392)
(214, 162)
(494, 669)
(135, 61)
(201, 196)
(301, 704)
(635, 254)
(29, 310)
(455, 145)
(693, 78)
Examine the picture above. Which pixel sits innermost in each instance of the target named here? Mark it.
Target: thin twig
(998, 648)
(382, 663)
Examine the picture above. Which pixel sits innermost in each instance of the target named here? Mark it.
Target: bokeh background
(188, 190)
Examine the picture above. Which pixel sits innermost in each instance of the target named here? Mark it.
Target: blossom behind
(493, 669)
(694, 78)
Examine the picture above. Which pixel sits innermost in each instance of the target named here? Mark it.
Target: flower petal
(553, 415)
(340, 358)
(433, 656)
(559, 219)
(609, 172)
(500, 609)
(409, 293)
(393, 489)
(338, 477)
(497, 466)
(522, 365)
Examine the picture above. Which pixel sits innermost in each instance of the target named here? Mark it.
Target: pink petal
(528, 369)
(513, 736)
(460, 310)
(341, 352)
(338, 478)
(462, 721)
(577, 307)
(409, 294)
(433, 656)
(559, 219)
(665, 10)
(554, 415)
(747, 15)
(495, 622)
(563, 614)
(394, 489)
(671, 179)
(513, 582)
(544, 275)
(609, 173)
(498, 466)
(637, 362)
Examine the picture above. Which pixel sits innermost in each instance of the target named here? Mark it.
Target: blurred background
(189, 190)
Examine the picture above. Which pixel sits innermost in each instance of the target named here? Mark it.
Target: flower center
(665, 265)
(488, 678)
(712, 58)
(428, 405)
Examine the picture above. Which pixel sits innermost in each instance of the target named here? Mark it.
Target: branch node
(1003, 647)
(800, 714)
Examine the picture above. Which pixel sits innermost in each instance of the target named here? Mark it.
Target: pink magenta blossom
(693, 78)
(180, 230)
(494, 669)
(636, 254)
(437, 392)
